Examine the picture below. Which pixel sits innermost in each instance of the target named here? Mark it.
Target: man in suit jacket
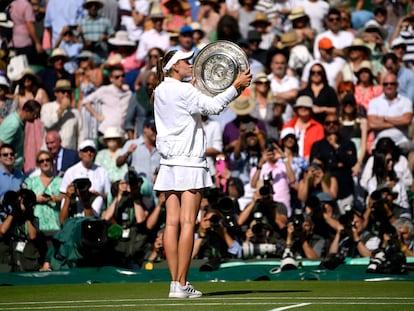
(62, 158)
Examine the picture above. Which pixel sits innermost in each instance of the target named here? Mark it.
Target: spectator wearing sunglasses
(324, 97)
(339, 155)
(114, 100)
(10, 177)
(390, 114)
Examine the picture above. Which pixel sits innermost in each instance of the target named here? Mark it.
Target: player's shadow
(246, 292)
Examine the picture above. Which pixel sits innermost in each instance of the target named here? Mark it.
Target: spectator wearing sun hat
(51, 74)
(95, 29)
(261, 95)
(306, 129)
(261, 25)
(112, 140)
(59, 115)
(299, 54)
(317, 11)
(157, 36)
(242, 107)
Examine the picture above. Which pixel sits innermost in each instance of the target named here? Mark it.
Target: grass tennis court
(249, 296)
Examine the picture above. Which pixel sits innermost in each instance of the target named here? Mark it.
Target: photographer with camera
(260, 240)
(86, 168)
(352, 239)
(77, 200)
(272, 217)
(214, 240)
(277, 168)
(129, 211)
(21, 229)
(302, 240)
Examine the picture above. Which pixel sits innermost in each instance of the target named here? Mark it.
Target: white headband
(179, 55)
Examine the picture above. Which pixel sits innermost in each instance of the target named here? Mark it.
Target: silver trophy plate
(217, 65)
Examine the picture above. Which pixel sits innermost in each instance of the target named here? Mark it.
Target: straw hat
(156, 13)
(184, 5)
(358, 44)
(121, 39)
(62, 85)
(242, 105)
(98, 2)
(28, 72)
(303, 101)
(288, 39)
(261, 77)
(260, 18)
(365, 65)
(113, 60)
(297, 12)
(58, 53)
(112, 132)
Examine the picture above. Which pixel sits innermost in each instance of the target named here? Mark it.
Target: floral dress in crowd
(48, 214)
(103, 158)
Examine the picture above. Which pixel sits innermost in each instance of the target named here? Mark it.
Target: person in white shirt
(340, 38)
(59, 115)
(154, 37)
(284, 87)
(86, 168)
(183, 173)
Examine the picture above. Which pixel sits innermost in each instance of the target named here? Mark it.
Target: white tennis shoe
(187, 291)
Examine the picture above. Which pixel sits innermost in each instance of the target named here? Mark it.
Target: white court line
(182, 303)
(291, 307)
(201, 299)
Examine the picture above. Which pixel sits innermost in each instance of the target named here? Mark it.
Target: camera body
(267, 188)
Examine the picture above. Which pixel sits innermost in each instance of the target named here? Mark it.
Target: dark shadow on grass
(246, 292)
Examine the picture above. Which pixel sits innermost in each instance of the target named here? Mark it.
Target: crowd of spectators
(315, 160)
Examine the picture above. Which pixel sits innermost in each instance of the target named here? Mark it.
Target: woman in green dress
(48, 197)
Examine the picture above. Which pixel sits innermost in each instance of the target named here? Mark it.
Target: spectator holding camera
(277, 167)
(21, 228)
(242, 107)
(316, 179)
(247, 152)
(86, 168)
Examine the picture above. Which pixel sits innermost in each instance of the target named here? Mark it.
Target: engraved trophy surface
(217, 65)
